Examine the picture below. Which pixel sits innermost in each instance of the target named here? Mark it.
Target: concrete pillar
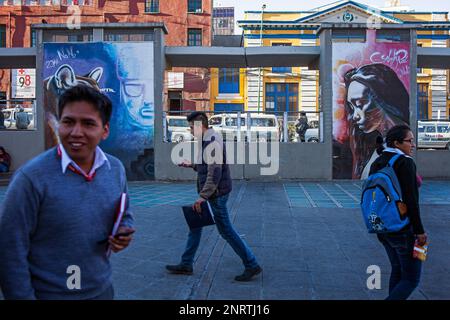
(40, 114)
(159, 67)
(413, 83)
(413, 88)
(326, 97)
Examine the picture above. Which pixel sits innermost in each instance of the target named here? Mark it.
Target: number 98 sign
(24, 82)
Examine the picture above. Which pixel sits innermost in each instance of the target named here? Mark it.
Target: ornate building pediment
(350, 12)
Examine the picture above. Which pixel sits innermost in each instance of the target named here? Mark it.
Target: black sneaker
(248, 274)
(179, 269)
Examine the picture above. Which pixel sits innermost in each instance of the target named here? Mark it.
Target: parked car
(312, 135)
(433, 134)
(263, 127)
(10, 117)
(178, 129)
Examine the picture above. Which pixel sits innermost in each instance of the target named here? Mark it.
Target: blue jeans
(226, 230)
(405, 274)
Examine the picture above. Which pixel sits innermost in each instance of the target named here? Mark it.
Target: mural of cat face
(54, 86)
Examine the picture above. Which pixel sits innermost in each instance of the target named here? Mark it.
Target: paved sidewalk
(306, 253)
(308, 237)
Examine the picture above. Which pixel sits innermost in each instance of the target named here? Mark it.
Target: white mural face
(362, 109)
(135, 73)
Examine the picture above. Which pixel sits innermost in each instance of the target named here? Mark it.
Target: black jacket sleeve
(406, 173)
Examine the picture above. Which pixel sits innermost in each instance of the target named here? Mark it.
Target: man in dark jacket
(22, 119)
(214, 185)
(301, 126)
(2, 119)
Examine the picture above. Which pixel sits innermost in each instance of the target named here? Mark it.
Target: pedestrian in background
(22, 119)
(301, 126)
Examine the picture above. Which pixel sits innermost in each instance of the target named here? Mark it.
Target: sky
(301, 5)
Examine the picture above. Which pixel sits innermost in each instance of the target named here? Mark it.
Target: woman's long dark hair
(386, 88)
(389, 94)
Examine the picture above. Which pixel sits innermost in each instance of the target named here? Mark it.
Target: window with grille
(349, 35)
(194, 5)
(281, 97)
(152, 6)
(229, 80)
(390, 35)
(194, 37)
(2, 36)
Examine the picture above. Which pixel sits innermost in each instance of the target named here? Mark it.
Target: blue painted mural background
(124, 72)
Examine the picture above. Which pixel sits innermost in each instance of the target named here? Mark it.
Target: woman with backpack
(406, 270)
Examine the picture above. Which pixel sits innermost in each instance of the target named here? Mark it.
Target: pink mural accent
(381, 73)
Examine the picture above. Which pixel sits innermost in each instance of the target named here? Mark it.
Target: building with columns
(297, 88)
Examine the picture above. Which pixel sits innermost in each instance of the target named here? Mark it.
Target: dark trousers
(405, 274)
(226, 230)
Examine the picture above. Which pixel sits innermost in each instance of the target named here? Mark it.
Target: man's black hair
(198, 116)
(88, 94)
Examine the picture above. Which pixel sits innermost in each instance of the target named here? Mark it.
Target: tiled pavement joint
(313, 204)
(346, 192)
(330, 196)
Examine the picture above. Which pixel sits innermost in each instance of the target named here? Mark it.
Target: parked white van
(263, 127)
(178, 129)
(433, 134)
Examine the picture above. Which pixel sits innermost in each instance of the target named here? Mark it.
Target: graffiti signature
(62, 54)
(394, 58)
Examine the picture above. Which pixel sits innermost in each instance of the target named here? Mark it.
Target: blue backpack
(381, 201)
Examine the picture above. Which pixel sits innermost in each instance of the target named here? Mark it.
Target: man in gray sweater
(60, 208)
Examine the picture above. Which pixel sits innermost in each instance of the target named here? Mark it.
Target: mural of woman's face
(362, 108)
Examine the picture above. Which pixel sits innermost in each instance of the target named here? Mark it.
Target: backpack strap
(393, 159)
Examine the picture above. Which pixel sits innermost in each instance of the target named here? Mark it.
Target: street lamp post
(260, 69)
